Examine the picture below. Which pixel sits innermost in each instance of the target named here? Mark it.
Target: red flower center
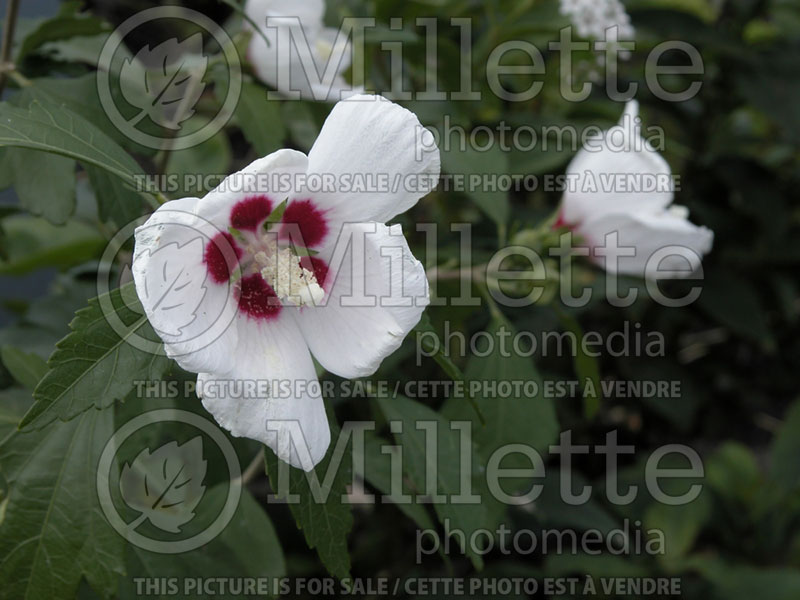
(221, 257)
(304, 224)
(248, 214)
(257, 299)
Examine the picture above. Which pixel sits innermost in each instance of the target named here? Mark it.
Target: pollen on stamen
(221, 257)
(293, 283)
(249, 213)
(257, 299)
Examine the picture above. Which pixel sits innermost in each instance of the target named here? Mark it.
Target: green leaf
(47, 319)
(381, 33)
(95, 365)
(164, 496)
(538, 161)
(115, 201)
(733, 472)
(80, 95)
(26, 369)
(784, 466)
(522, 419)
(299, 120)
(60, 28)
(734, 302)
(378, 473)
(769, 85)
(13, 404)
(586, 367)
(447, 463)
(555, 513)
(7, 174)
(327, 524)
(32, 243)
(51, 194)
(473, 163)
(705, 10)
(247, 547)
(744, 582)
(54, 531)
(424, 329)
(680, 524)
(259, 119)
(561, 564)
(52, 128)
(680, 405)
(212, 157)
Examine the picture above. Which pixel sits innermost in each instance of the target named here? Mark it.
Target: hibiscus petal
(648, 233)
(276, 176)
(184, 254)
(329, 36)
(334, 90)
(310, 12)
(598, 171)
(368, 136)
(272, 393)
(190, 312)
(269, 60)
(376, 294)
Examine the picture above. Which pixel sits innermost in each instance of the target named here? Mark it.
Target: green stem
(150, 199)
(591, 404)
(19, 78)
(255, 468)
(477, 410)
(10, 24)
(494, 310)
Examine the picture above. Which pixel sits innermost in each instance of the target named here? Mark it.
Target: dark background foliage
(736, 351)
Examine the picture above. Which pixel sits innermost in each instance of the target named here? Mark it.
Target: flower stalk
(9, 26)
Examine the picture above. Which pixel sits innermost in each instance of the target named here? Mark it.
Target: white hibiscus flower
(598, 202)
(294, 66)
(591, 18)
(269, 304)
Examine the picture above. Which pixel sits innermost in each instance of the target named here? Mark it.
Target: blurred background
(735, 352)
